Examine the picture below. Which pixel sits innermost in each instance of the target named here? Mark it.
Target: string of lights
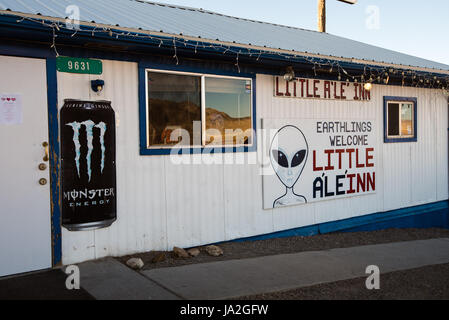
(372, 74)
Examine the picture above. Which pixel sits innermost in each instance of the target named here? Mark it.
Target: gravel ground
(250, 249)
(428, 283)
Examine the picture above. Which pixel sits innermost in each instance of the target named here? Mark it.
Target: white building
(353, 159)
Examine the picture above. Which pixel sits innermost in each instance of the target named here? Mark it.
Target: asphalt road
(45, 285)
(427, 283)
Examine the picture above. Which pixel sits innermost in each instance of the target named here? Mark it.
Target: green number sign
(79, 65)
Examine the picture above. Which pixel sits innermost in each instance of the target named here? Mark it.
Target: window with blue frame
(193, 110)
(400, 119)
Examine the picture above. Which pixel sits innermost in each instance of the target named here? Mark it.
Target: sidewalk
(109, 279)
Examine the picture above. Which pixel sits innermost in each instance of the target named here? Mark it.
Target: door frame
(53, 137)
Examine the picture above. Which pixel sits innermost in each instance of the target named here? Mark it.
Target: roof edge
(264, 49)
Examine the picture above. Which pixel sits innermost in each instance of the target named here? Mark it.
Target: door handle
(46, 157)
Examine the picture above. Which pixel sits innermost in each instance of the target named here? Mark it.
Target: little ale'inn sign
(320, 89)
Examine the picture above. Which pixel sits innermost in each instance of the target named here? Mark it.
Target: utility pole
(322, 13)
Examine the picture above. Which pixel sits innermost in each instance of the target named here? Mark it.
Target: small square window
(400, 119)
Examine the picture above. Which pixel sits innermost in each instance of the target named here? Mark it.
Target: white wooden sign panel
(318, 159)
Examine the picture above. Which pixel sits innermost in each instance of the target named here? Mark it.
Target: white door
(25, 218)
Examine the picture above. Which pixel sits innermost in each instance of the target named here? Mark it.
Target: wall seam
(166, 203)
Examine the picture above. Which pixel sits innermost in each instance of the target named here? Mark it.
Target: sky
(413, 27)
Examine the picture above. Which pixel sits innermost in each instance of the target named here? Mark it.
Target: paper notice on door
(11, 109)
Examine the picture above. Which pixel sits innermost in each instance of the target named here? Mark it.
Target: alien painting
(311, 160)
(288, 154)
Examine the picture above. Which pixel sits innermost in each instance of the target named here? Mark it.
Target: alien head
(288, 154)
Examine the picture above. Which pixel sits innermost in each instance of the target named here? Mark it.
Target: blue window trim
(145, 151)
(53, 130)
(415, 122)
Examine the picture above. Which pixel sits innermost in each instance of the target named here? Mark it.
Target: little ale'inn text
(320, 89)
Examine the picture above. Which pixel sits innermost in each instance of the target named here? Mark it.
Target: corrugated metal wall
(161, 205)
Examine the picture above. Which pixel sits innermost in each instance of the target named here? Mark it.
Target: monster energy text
(85, 198)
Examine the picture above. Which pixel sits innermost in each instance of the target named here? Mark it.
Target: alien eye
(298, 158)
(280, 158)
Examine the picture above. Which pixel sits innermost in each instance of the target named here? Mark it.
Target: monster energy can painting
(88, 165)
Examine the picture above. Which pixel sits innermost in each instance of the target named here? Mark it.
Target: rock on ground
(194, 252)
(214, 251)
(135, 263)
(180, 253)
